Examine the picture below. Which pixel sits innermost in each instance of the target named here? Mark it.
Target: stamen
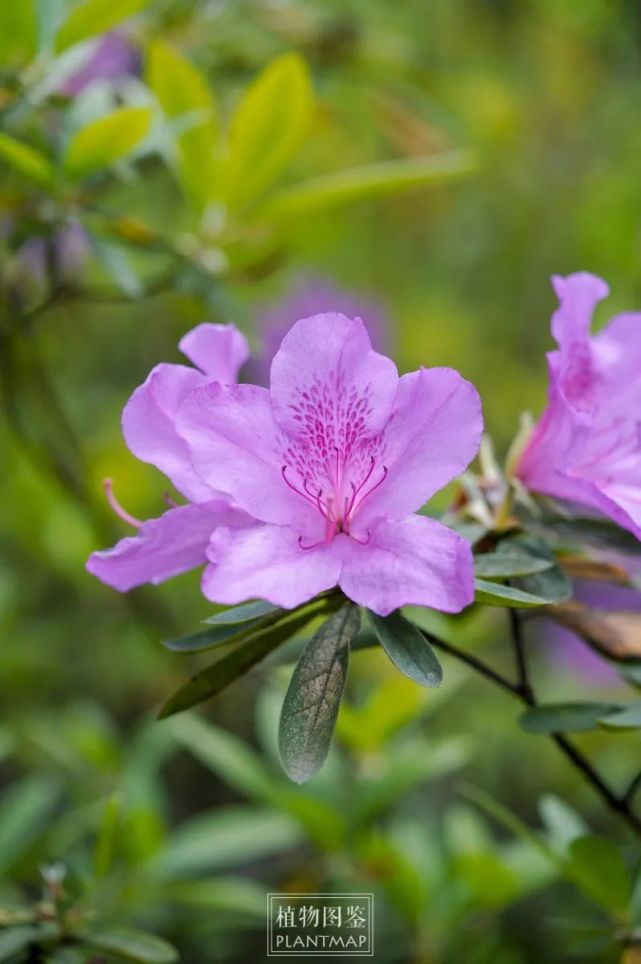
(373, 489)
(362, 542)
(357, 488)
(169, 501)
(315, 545)
(322, 506)
(304, 495)
(115, 505)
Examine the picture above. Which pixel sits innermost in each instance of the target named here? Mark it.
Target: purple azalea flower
(308, 485)
(177, 540)
(332, 462)
(313, 295)
(111, 58)
(586, 448)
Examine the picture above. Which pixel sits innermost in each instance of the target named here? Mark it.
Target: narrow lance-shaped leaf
(314, 695)
(132, 945)
(106, 140)
(507, 565)
(218, 634)
(565, 717)
(623, 718)
(268, 128)
(242, 614)
(235, 659)
(497, 594)
(92, 17)
(26, 159)
(188, 103)
(371, 181)
(407, 648)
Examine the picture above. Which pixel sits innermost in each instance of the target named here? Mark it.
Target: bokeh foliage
(255, 140)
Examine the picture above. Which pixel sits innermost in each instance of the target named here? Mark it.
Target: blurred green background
(180, 828)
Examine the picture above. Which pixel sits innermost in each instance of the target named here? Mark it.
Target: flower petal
(233, 443)
(417, 561)
(578, 296)
(325, 369)
(267, 562)
(433, 435)
(163, 547)
(148, 424)
(218, 350)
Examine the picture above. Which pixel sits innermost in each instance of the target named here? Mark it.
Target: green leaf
(132, 945)
(227, 756)
(496, 594)
(225, 837)
(26, 159)
(186, 98)
(623, 718)
(18, 31)
(313, 698)
(24, 811)
(16, 939)
(597, 867)
(562, 822)
(506, 565)
(407, 648)
(93, 17)
(268, 128)
(600, 533)
(106, 140)
(243, 614)
(372, 181)
(217, 635)
(564, 717)
(235, 659)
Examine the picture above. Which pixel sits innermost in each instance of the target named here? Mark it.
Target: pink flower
(177, 540)
(332, 462)
(586, 448)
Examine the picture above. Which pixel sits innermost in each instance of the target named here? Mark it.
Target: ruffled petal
(218, 350)
(267, 562)
(326, 371)
(417, 561)
(578, 296)
(235, 447)
(148, 425)
(163, 547)
(433, 435)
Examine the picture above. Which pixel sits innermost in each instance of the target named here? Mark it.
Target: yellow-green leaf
(268, 128)
(93, 17)
(106, 140)
(186, 98)
(18, 31)
(371, 181)
(26, 159)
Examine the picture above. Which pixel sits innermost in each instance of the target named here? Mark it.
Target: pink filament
(117, 508)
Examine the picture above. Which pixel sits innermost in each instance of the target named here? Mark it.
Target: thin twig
(524, 692)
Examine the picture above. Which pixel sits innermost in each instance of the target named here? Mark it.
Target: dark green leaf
(496, 594)
(624, 718)
(407, 648)
(565, 717)
(313, 698)
(243, 614)
(600, 533)
(597, 867)
(224, 632)
(132, 945)
(24, 811)
(506, 565)
(16, 939)
(235, 659)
